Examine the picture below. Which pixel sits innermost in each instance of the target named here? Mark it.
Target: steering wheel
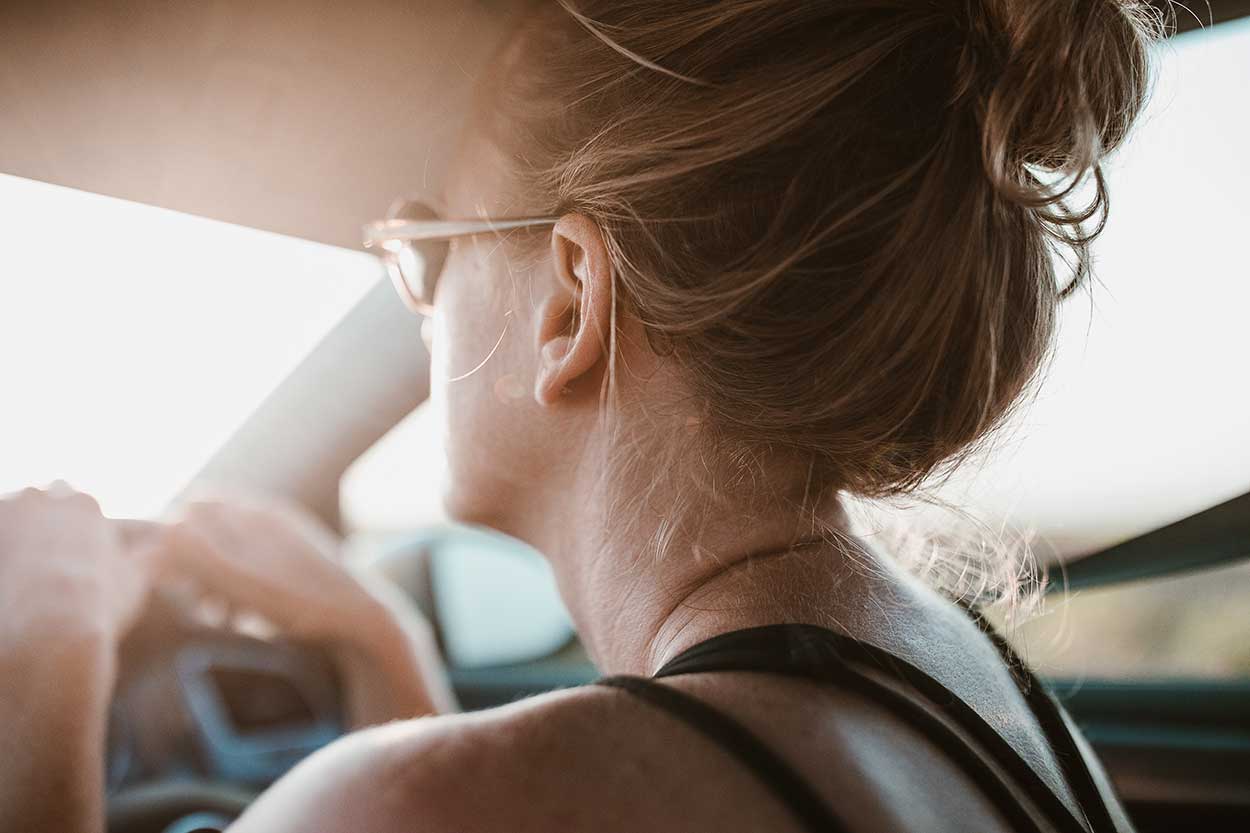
(176, 807)
(203, 719)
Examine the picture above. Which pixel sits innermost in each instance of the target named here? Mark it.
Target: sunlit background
(134, 340)
(1145, 416)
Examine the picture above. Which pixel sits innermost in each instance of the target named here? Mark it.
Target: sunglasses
(414, 242)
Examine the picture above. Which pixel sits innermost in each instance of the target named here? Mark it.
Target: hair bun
(1056, 84)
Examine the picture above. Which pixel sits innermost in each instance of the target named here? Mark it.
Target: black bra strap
(779, 776)
(1049, 716)
(825, 656)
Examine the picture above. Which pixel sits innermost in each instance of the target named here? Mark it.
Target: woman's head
(830, 227)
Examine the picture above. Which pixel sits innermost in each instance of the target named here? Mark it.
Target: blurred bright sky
(134, 340)
(1144, 417)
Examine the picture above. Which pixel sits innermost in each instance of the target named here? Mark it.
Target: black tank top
(822, 655)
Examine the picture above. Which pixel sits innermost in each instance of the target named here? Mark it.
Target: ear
(575, 318)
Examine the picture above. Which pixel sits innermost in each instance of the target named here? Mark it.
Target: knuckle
(84, 501)
(30, 494)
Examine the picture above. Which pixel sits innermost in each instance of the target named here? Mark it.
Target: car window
(1141, 417)
(396, 486)
(1188, 626)
(134, 340)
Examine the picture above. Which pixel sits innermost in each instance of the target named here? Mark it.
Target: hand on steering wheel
(65, 569)
(270, 557)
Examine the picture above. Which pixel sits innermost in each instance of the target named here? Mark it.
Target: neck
(635, 610)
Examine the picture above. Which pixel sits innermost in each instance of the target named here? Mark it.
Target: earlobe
(556, 330)
(549, 385)
(575, 319)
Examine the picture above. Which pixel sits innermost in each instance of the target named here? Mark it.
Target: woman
(769, 255)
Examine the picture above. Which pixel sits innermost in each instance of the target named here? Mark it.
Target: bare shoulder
(594, 758)
(551, 760)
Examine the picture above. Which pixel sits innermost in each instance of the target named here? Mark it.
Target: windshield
(1141, 419)
(135, 340)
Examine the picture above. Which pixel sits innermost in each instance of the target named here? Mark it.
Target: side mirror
(492, 598)
(496, 600)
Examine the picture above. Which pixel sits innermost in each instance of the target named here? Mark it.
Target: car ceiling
(302, 117)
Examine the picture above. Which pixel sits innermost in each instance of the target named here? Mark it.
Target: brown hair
(839, 216)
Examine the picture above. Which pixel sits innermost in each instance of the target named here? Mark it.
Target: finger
(62, 490)
(22, 494)
(137, 532)
(143, 543)
(185, 551)
(59, 488)
(253, 624)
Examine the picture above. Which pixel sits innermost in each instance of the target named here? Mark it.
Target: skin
(520, 358)
(60, 615)
(73, 582)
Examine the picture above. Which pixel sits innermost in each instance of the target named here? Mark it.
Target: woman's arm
(54, 695)
(69, 589)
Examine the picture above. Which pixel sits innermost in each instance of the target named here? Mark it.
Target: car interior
(184, 156)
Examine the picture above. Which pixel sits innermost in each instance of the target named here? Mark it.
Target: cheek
(481, 382)
(479, 343)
